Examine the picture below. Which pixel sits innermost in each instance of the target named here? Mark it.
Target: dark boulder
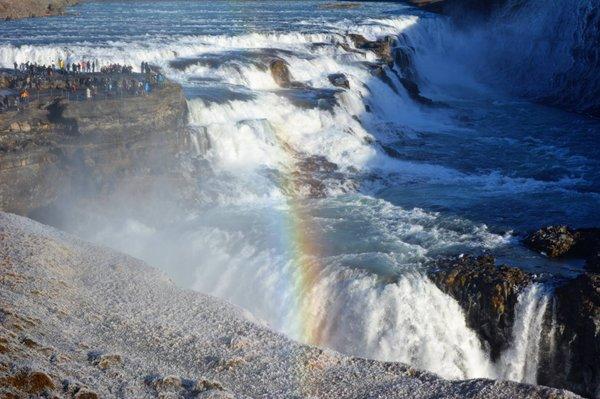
(381, 47)
(486, 292)
(282, 76)
(339, 80)
(316, 163)
(310, 175)
(358, 40)
(281, 73)
(572, 357)
(554, 241)
(557, 241)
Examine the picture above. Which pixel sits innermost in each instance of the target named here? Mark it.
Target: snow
(101, 321)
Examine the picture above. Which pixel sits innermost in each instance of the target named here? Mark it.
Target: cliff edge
(16, 9)
(56, 149)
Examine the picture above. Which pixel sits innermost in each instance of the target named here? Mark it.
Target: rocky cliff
(570, 341)
(487, 293)
(54, 149)
(16, 9)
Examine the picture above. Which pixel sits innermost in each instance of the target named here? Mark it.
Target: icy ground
(77, 320)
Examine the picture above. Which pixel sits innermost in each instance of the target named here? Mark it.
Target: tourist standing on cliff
(24, 97)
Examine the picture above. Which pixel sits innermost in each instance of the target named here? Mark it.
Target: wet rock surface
(414, 92)
(570, 338)
(382, 47)
(282, 76)
(486, 292)
(339, 80)
(563, 241)
(553, 241)
(572, 354)
(394, 56)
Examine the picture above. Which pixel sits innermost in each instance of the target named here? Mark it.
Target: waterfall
(252, 237)
(521, 359)
(199, 140)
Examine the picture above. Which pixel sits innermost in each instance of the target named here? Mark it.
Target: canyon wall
(55, 150)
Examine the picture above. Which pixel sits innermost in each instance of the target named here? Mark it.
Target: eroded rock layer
(57, 149)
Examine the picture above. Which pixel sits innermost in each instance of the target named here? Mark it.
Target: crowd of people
(74, 81)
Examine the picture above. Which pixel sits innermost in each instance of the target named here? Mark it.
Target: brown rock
(15, 127)
(33, 382)
(15, 9)
(553, 241)
(557, 241)
(382, 47)
(339, 6)
(486, 292)
(25, 127)
(358, 40)
(281, 73)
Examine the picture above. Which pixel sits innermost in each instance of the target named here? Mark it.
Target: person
(93, 66)
(88, 66)
(88, 93)
(24, 96)
(16, 66)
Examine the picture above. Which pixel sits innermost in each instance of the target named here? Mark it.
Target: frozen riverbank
(78, 320)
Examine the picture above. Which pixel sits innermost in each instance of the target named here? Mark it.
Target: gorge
(342, 175)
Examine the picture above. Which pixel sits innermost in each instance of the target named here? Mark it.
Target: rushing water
(345, 270)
